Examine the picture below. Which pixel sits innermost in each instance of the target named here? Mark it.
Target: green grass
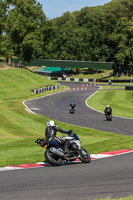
(122, 198)
(103, 83)
(125, 77)
(112, 87)
(89, 76)
(98, 74)
(19, 129)
(121, 101)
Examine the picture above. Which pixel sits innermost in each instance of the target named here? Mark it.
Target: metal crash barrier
(46, 88)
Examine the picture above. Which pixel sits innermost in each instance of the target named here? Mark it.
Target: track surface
(56, 107)
(101, 178)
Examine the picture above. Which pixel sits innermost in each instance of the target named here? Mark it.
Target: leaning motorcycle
(55, 153)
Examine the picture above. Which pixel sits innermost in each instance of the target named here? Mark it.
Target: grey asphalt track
(56, 107)
(108, 177)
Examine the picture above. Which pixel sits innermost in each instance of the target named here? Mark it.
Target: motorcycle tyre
(108, 118)
(85, 160)
(71, 111)
(50, 159)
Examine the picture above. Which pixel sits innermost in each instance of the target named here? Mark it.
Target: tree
(3, 8)
(122, 40)
(23, 26)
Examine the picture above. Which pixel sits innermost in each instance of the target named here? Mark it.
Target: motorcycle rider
(72, 105)
(108, 110)
(110, 82)
(50, 133)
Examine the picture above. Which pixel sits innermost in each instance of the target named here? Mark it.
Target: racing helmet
(51, 123)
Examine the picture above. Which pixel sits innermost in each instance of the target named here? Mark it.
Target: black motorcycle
(55, 153)
(108, 116)
(72, 110)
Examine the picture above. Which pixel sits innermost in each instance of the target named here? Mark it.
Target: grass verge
(122, 198)
(121, 101)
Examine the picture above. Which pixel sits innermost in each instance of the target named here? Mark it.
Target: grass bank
(19, 129)
(121, 101)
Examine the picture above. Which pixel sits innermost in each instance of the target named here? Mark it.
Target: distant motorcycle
(72, 110)
(108, 116)
(55, 153)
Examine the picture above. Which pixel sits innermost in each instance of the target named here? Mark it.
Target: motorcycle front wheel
(84, 156)
(52, 159)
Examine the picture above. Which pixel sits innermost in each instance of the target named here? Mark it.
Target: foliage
(101, 33)
(3, 7)
(23, 28)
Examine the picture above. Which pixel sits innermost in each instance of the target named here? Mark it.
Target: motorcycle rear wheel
(84, 156)
(52, 159)
(108, 117)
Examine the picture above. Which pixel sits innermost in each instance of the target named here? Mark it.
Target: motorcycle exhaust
(57, 152)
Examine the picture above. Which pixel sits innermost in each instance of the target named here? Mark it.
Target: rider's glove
(70, 132)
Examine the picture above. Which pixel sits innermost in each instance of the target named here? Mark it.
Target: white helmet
(51, 123)
(107, 105)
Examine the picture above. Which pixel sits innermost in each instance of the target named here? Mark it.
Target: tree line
(101, 33)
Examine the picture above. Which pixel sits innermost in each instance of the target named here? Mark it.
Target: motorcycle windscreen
(75, 136)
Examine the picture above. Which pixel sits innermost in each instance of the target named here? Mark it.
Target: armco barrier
(90, 80)
(71, 79)
(129, 87)
(46, 88)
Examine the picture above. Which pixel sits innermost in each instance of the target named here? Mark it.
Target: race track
(108, 177)
(56, 107)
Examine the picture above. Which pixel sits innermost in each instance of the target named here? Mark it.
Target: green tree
(23, 27)
(49, 34)
(123, 42)
(3, 8)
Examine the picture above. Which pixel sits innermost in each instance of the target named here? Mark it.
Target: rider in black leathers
(72, 104)
(50, 133)
(72, 107)
(108, 111)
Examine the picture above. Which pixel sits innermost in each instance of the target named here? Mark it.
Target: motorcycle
(108, 116)
(72, 110)
(55, 153)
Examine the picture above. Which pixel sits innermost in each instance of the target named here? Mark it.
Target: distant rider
(110, 82)
(50, 133)
(108, 110)
(72, 105)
